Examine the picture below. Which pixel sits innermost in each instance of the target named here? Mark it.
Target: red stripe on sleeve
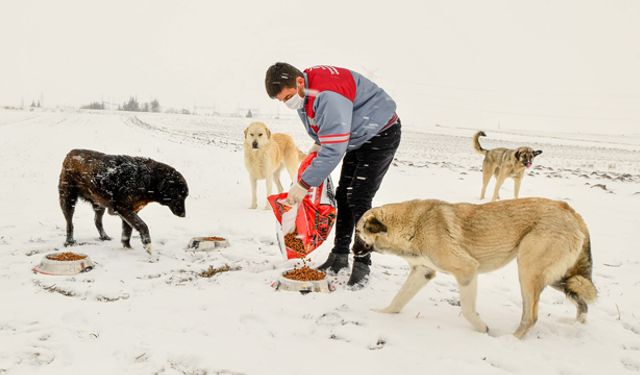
(335, 141)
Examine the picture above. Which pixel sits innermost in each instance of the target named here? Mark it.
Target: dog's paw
(253, 206)
(147, 248)
(386, 310)
(70, 243)
(519, 335)
(105, 238)
(582, 318)
(481, 327)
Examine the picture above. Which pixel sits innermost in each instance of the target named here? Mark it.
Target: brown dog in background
(502, 163)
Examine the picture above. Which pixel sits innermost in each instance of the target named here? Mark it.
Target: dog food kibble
(213, 238)
(305, 273)
(67, 256)
(294, 243)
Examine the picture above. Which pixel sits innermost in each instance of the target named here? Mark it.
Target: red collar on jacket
(327, 78)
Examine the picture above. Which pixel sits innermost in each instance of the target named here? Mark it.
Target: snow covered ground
(133, 316)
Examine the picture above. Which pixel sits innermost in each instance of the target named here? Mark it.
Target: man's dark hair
(279, 76)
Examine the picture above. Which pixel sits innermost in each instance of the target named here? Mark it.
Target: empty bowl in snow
(66, 263)
(207, 243)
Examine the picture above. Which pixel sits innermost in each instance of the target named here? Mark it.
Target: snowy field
(133, 316)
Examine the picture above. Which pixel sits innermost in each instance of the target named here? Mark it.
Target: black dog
(123, 185)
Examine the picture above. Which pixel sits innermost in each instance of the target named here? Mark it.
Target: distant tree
(155, 106)
(94, 105)
(249, 114)
(145, 107)
(38, 105)
(33, 104)
(132, 105)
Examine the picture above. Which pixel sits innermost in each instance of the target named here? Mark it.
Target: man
(351, 119)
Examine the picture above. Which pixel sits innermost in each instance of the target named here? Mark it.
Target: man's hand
(315, 148)
(296, 194)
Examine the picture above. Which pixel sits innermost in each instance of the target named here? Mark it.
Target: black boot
(335, 262)
(359, 275)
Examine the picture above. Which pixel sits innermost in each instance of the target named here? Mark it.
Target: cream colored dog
(265, 155)
(548, 238)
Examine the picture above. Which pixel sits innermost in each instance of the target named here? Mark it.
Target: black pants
(360, 178)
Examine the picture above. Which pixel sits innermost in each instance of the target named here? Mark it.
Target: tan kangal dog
(548, 238)
(502, 163)
(265, 155)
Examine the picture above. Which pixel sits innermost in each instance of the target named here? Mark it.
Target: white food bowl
(50, 266)
(303, 287)
(207, 243)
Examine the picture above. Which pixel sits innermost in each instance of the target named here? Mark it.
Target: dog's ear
(537, 152)
(517, 155)
(374, 225)
(268, 133)
(245, 132)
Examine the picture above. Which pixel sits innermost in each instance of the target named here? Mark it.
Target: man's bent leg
(339, 257)
(374, 159)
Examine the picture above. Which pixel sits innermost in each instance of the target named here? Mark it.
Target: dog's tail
(576, 283)
(476, 142)
(583, 287)
(579, 281)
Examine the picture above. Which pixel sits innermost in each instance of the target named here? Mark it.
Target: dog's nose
(254, 144)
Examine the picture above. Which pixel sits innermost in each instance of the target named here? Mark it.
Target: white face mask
(295, 102)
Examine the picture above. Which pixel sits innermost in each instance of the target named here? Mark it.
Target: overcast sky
(551, 65)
